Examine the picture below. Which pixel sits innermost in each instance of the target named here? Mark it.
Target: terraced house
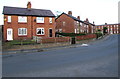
(26, 23)
(69, 24)
(111, 28)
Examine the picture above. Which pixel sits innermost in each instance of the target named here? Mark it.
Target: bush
(98, 35)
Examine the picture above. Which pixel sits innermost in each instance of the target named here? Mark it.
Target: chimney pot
(105, 23)
(78, 17)
(70, 12)
(87, 20)
(29, 5)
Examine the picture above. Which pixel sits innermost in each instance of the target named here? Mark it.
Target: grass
(18, 42)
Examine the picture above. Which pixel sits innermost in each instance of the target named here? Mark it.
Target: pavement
(12, 52)
(99, 59)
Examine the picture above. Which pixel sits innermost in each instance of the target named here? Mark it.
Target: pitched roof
(27, 12)
(76, 19)
(109, 24)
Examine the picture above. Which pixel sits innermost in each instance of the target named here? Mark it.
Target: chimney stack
(70, 13)
(29, 5)
(105, 23)
(78, 17)
(87, 20)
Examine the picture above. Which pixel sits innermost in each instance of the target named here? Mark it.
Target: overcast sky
(99, 11)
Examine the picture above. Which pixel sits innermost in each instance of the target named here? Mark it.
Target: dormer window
(40, 19)
(22, 19)
(9, 18)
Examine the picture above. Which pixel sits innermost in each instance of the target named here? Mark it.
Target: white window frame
(114, 31)
(9, 18)
(60, 30)
(78, 23)
(75, 30)
(39, 19)
(63, 23)
(117, 32)
(20, 31)
(42, 30)
(22, 19)
(50, 20)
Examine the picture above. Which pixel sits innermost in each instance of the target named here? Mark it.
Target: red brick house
(111, 28)
(28, 23)
(69, 24)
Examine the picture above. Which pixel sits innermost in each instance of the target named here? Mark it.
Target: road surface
(99, 59)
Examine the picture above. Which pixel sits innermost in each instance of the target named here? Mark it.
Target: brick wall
(54, 40)
(65, 39)
(31, 26)
(68, 27)
(89, 36)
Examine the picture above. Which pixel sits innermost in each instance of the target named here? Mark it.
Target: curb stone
(44, 49)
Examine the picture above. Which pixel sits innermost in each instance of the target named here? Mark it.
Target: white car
(84, 44)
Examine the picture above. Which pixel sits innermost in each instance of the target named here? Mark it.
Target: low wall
(54, 40)
(65, 39)
(89, 36)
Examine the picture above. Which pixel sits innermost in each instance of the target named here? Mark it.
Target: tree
(105, 30)
(99, 30)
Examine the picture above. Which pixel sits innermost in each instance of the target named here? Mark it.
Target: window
(50, 20)
(75, 30)
(81, 30)
(9, 18)
(60, 30)
(111, 28)
(102, 27)
(22, 31)
(40, 31)
(22, 19)
(117, 31)
(40, 19)
(63, 23)
(78, 23)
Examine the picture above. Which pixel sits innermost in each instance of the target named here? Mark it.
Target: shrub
(98, 35)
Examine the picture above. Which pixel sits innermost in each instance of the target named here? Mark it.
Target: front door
(50, 32)
(9, 34)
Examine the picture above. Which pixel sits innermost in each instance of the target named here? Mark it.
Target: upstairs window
(9, 18)
(40, 19)
(63, 23)
(78, 23)
(22, 31)
(22, 19)
(40, 31)
(50, 20)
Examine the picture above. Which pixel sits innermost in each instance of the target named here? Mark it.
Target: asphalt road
(99, 59)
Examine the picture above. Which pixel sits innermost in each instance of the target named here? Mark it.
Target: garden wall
(65, 39)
